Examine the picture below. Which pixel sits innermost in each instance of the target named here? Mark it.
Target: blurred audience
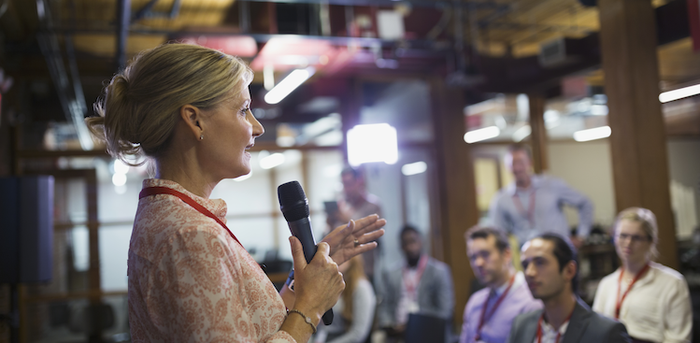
(419, 284)
(652, 300)
(550, 267)
(357, 203)
(354, 311)
(533, 203)
(490, 311)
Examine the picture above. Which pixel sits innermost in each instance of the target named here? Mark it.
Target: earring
(201, 137)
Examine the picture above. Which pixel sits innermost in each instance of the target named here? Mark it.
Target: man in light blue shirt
(533, 203)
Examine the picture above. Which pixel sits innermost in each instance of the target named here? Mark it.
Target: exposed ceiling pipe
(391, 3)
(244, 16)
(72, 98)
(142, 13)
(123, 20)
(262, 38)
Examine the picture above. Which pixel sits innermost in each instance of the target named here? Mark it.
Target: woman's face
(230, 131)
(632, 242)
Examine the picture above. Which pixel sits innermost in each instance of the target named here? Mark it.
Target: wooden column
(638, 140)
(454, 175)
(538, 137)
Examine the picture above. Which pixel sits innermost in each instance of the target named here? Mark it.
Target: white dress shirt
(549, 335)
(656, 309)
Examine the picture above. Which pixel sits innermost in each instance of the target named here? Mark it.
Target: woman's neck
(188, 175)
(634, 267)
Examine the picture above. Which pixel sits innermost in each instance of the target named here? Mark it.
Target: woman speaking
(652, 300)
(190, 280)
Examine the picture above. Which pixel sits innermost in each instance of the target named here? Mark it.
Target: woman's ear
(192, 115)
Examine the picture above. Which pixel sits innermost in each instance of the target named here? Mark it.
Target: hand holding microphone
(320, 281)
(343, 243)
(318, 284)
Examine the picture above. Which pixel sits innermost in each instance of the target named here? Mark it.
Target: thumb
(297, 253)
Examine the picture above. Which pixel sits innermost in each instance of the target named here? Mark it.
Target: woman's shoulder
(612, 277)
(666, 273)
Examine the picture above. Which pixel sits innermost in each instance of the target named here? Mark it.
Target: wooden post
(538, 137)
(638, 140)
(456, 188)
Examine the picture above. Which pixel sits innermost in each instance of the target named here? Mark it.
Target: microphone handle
(301, 229)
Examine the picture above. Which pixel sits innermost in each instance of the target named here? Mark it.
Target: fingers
(347, 229)
(366, 220)
(368, 224)
(323, 250)
(297, 253)
(363, 248)
(372, 236)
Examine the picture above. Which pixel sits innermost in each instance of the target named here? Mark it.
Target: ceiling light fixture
(679, 93)
(272, 160)
(288, 85)
(592, 134)
(372, 143)
(522, 133)
(414, 168)
(482, 134)
(269, 76)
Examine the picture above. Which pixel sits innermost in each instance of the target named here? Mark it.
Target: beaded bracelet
(306, 319)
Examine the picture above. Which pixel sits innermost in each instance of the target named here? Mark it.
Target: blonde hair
(353, 275)
(647, 219)
(140, 107)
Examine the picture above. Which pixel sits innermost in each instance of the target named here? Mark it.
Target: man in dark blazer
(419, 284)
(549, 263)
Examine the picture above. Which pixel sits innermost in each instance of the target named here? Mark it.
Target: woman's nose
(258, 129)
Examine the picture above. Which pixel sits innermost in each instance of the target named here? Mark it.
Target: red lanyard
(539, 326)
(411, 285)
(530, 214)
(484, 317)
(165, 190)
(619, 281)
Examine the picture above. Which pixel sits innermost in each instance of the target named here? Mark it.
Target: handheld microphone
(295, 208)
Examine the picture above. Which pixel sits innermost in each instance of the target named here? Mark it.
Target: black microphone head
(293, 202)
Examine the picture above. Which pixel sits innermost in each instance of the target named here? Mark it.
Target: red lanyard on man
(412, 283)
(618, 306)
(530, 214)
(165, 190)
(484, 317)
(539, 326)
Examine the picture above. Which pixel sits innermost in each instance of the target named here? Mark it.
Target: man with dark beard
(420, 284)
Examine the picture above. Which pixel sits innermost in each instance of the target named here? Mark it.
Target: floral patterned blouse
(190, 281)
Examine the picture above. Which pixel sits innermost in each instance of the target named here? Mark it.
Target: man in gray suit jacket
(420, 284)
(549, 263)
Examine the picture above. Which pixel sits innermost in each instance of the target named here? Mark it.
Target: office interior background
(577, 80)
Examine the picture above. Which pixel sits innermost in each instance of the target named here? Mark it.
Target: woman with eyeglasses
(652, 300)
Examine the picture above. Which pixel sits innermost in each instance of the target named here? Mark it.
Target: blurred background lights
(372, 143)
(482, 134)
(272, 160)
(592, 134)
(119, 179)
(414, 168)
